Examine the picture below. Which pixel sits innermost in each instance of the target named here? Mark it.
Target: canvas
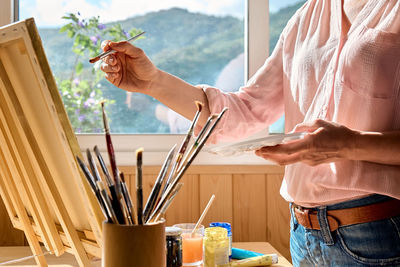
(44, 192)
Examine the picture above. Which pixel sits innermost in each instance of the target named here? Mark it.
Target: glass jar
(192, 245)
(228, 227)
(216, 247)
(174, 246)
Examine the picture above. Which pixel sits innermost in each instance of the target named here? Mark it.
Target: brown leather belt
(341, 217)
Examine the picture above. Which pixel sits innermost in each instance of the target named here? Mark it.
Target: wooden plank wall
(246, 196)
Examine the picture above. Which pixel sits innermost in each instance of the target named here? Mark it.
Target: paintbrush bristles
(199, 105)
(122, 176)
(139, 155)
(105, 120)
(214, 116)
(94, 59)
(103, 166)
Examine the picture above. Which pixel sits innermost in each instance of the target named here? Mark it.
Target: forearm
(179, 96)
(377, 147)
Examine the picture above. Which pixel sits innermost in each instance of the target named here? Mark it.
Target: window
(218, 35)
(200, 41)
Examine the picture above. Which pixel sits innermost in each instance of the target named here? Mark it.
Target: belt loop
(324, 225)
(293, 219)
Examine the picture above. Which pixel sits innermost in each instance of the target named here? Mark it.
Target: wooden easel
(44, 192)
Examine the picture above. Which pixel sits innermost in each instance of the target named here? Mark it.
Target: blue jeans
(366, 244)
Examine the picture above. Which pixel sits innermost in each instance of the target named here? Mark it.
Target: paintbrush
(111, 186)
(92, 165)
(192, 234)
(171, 187)
(168, 202)
(110, 150)
(128, 200)
(125, 211)
(152, 200)
(111, 51)
(103, 166)
(87, 174)
(184, 145)
(139, 185)
(107, 201)
(93, 168)
(93, 186)
(198, 139)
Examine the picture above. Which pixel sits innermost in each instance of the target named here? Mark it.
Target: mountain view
(192, 46)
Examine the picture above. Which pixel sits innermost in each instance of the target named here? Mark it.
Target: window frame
(256, 51)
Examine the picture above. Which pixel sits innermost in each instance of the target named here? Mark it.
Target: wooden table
(68, 260)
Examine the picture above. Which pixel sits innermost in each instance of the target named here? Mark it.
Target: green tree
(81, 91)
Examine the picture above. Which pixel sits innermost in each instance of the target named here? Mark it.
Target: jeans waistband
(371, 199)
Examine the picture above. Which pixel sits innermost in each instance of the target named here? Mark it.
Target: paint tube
(257, 261)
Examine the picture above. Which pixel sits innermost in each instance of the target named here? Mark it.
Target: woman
(335, 73)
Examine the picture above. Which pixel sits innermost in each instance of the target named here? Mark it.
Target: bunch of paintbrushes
(112, 193)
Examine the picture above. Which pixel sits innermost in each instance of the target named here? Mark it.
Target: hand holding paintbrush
(109, 52)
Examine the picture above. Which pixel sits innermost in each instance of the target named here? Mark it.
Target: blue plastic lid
(225, 225)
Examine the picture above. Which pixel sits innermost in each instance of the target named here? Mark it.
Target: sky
(48, 13)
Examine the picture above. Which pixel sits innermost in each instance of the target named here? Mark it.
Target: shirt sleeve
(255, 106)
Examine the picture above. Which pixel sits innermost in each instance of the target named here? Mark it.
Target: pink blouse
(320, 70)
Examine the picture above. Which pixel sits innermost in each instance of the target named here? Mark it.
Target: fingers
(111, 77)
(122, 47)
(105, 45)
(111, 69)
(310, 126)
(311, 159)
(304, 144)
(305, 127)
(280, 159)
(114, 77)
(110, 64)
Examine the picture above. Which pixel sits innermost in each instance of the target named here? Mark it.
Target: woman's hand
(325, 142)
(129, 69)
